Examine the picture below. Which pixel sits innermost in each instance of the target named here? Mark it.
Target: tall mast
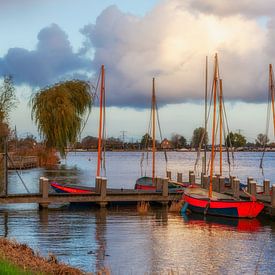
(99, 146)
(214, 125)
(154, 131)
(205, 112)
(221, 127)
(272, 91)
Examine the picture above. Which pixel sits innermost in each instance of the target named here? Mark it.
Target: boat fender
(184, 207)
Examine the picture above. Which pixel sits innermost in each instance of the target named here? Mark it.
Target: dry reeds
(176, 206)
(143, 207)
(24, 257)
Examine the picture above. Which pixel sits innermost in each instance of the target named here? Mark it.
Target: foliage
(146, 141)
(59, 112)
(8, 268)
(262, 140)
(199, 137)
(235, 140)
(7, 98)
(178, 141)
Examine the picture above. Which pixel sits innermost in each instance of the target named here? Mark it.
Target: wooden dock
(22, 162)
(102, 197)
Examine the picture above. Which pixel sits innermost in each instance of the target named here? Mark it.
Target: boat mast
(214, 125)
(272, 91)
(221, 127)
(205, 112)
(154, 131)
(99, 146)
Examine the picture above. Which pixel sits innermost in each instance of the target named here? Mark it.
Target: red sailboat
(211, 203)
(146, 182)
(76, 189)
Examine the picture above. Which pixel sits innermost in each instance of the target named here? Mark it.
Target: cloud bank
(169, 43)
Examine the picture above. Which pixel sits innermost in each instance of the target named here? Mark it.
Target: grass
(7, 268)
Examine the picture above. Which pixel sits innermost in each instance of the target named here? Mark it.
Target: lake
(130, 243)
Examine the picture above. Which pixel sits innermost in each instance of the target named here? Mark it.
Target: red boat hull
(227, 208)
(69, 189)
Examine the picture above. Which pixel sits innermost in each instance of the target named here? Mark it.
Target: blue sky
(43, 42)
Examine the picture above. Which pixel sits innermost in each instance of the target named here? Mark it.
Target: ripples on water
(129, 243)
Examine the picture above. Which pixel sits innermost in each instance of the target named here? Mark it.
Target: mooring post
(103, 192)
(179, 177)
(266, 184)
(165, 187)
(192, 178)
(214, 183)
(168, 174)
(273, 197)
(249, 179)
(97, 184)
(44, 189)
(190, 172)
(252, 187)
(236, 188)
(221, 184)
(159, 184)
(205, 182)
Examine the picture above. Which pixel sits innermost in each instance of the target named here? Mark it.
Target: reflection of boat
(150, 183)
(211, 203)
(244, 225)
(74, 189)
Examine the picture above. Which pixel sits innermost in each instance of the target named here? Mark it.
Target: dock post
(179, 177)
(214, 183)
(231, 181)
(189, 174)
(249, 179)
(266, 184)
(192, 178)
(273, 197)
(44, 189)
(168, 174)
(165, 187)
(159, 184)
(205, 182)
(103, 192)
(97, 184)
(252, 188)
(221, 184)
(236, 188)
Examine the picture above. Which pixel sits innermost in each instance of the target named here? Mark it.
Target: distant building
(166, 144)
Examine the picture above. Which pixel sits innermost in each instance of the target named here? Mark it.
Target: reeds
(176, 206)
(143, 207)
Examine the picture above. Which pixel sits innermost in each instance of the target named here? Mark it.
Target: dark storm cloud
(52, 60)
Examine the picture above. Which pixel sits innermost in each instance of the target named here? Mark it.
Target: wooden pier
(22, 162)
(102, 197)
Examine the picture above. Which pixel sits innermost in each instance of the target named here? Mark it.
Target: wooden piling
(192, 178)
(249, 179)
(168, 174)
(205, 182)
(165, 187)
(221, 184)
(159, 184)
(44, 189)
(214, 183)
(236, 188)
(252, 187)
(190, 173)
(231, 179)
(266, 185)
(273, 197)
(97, 184)
(179, 177)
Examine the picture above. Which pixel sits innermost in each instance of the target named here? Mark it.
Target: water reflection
(249, 225)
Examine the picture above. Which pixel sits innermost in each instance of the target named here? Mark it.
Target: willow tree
(59, 112)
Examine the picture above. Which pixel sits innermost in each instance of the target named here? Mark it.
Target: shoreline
(23, 257)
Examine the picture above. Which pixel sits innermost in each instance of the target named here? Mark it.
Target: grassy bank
(20, 259)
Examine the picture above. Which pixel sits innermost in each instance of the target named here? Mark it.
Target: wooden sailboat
(208, 202)
(75, 189)
(146, 182)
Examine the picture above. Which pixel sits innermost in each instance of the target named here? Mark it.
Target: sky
(46, 41)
